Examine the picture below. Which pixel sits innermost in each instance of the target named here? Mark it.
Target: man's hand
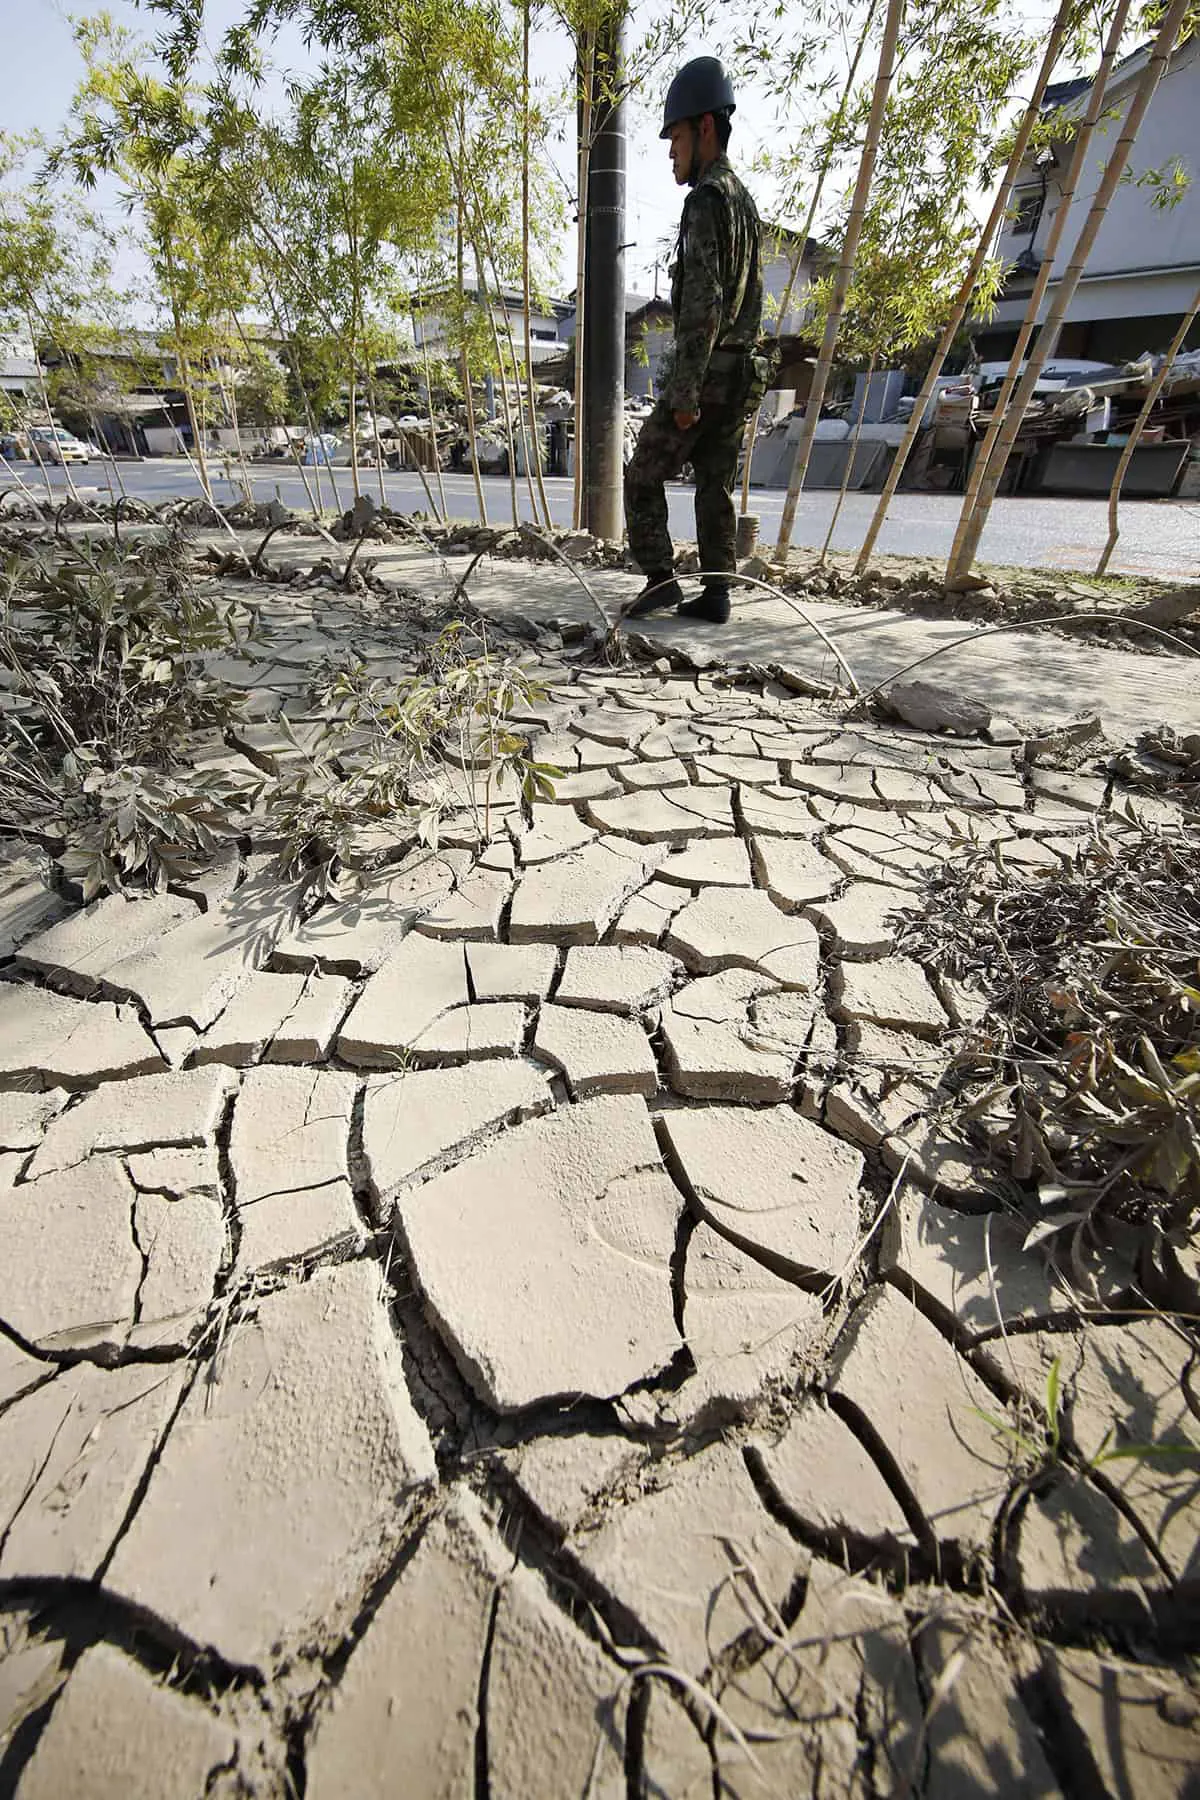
(686, 420)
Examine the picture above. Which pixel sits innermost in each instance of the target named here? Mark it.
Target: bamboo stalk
(845, 272)
(468, 394)
(437, 461)
(810, 221)
(1126, 457)
(1054, 44)
(1114, 168)
(855, 438)
(1079, 150)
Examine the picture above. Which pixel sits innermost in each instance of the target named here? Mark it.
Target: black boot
(660, 594)
(712, 606)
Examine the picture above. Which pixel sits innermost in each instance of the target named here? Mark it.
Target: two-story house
(430, 328)
(1144, 267)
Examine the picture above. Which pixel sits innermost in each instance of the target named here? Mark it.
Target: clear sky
(42, 69)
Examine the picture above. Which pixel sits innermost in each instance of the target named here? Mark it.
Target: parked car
(54, 445)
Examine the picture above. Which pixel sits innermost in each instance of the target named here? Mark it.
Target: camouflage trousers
(712, 447)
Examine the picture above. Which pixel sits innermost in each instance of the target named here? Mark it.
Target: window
(543, 337)
(1027, 208)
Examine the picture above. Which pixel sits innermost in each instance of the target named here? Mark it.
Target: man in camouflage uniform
(712, 380)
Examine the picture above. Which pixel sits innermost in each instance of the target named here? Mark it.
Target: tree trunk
(855, 435)
(1054, 45)
(585, 68)
(810, 221)
(1152, 393)
(1114, 168)
(845, 272)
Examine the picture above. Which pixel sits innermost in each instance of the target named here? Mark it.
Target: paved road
(1158, 538)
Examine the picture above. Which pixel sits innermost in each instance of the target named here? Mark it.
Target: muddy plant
(103, 656)
(403, 756)
(1083, 1082)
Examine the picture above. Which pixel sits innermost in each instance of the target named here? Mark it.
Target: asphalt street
(1158, 537)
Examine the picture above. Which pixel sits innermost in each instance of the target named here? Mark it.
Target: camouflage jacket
(716, 282)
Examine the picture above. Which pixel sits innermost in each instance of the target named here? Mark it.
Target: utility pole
(601, 433)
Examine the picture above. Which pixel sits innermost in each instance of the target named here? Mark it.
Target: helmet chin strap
(694, 171)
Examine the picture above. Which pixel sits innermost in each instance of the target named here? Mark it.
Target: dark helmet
(701, 86)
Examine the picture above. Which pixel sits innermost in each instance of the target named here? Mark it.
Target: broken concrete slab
(931, 708)
(597, 1052)
(545, 1258)
(743, 1326)
(616, 979)
(289, 1157)
(895, 993)
(727, 928)
(574, 900)
(49, 1038)
(828, 1482)
(181, 1107)
(554, 1722)
(800, 1214)
(284, 1474)
(511, 971)
(117, 1733)
(666, 815)
(412, 1120)
(669, 1557)
(73, 1455)
(929, 1410)
(404, 1715)
(420, 981)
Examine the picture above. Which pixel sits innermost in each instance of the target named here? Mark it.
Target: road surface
(1159, 538)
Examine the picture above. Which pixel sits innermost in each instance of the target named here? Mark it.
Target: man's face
(682, 148)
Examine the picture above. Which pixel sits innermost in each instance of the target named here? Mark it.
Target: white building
(430, 328)
(1144, 268)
